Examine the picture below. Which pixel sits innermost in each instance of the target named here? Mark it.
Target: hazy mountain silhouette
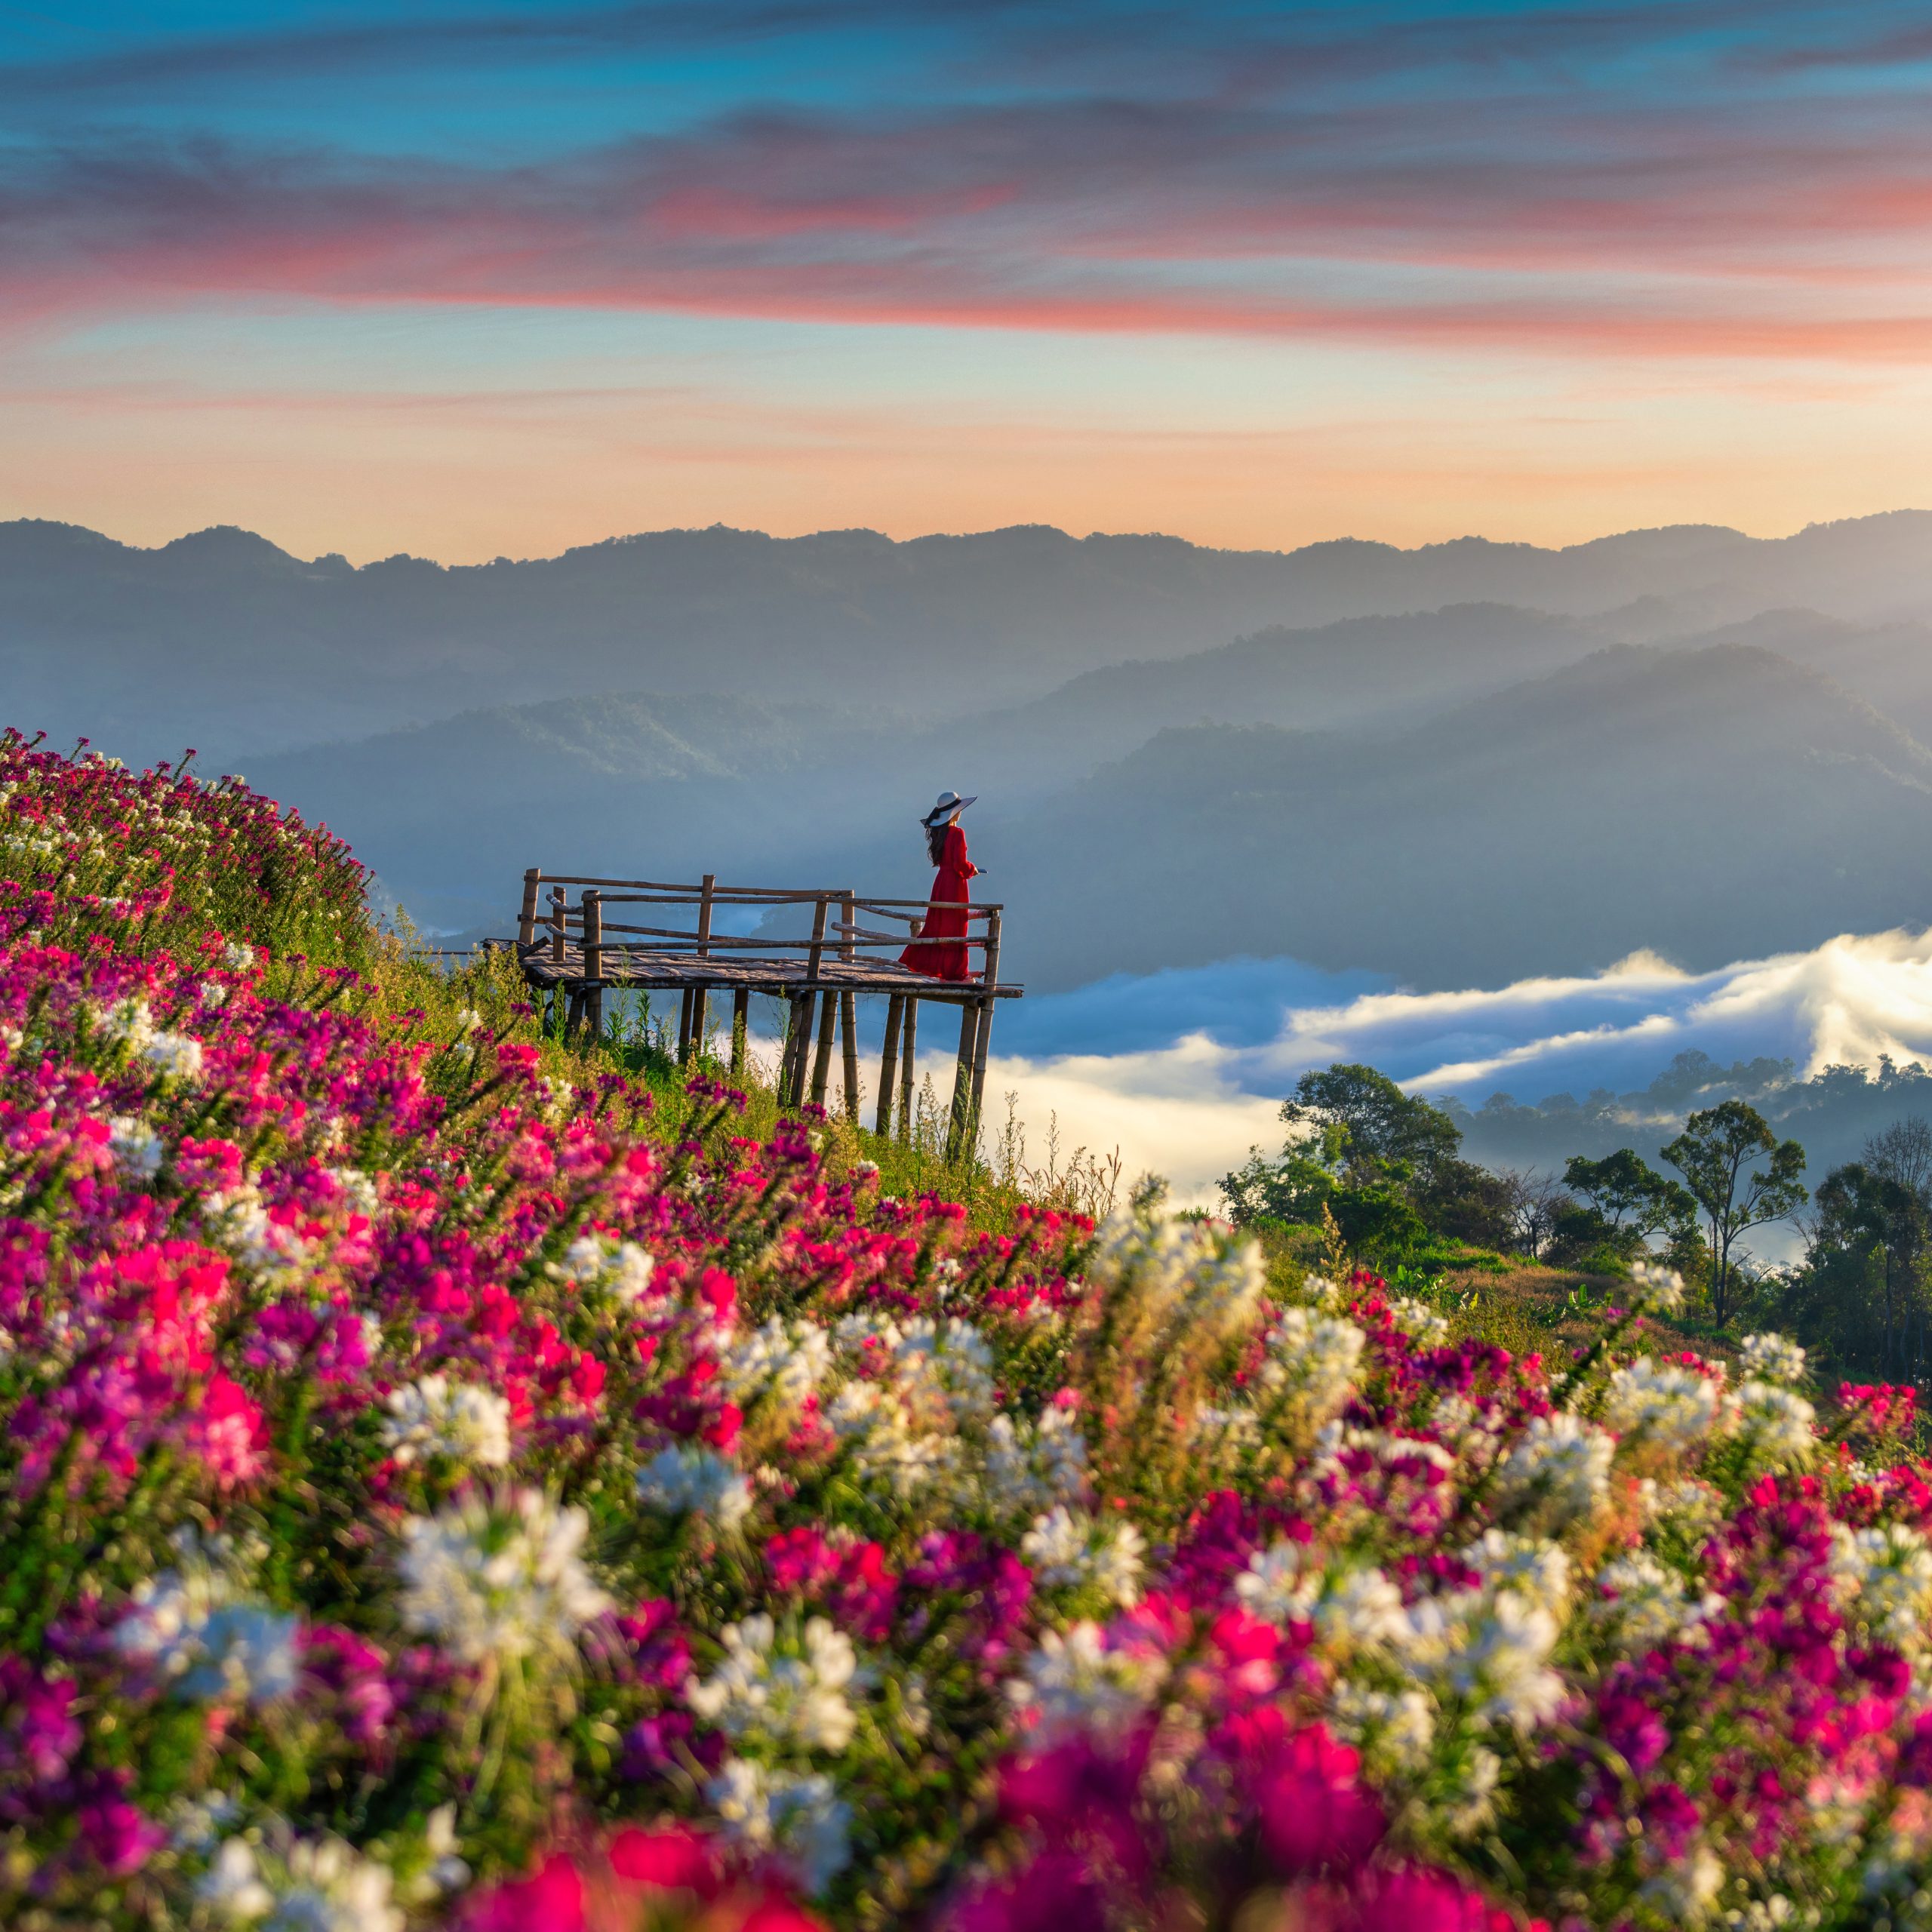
(224, 639)
(1712, 804)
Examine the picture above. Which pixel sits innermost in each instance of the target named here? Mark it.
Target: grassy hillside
(446, 1482)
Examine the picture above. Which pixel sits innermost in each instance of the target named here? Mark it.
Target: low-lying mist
(1201, 1058)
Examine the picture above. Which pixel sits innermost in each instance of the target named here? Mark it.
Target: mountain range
(1456, 764)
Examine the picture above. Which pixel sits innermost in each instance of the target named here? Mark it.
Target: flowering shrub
(433, 1494)
(88, 847)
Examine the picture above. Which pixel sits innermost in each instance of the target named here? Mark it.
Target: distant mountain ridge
(1712, 804)
(223, 633)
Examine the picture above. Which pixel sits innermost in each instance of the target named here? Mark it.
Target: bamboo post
(828, 1015)
(700, 995)
(957, 1144)
(848, 1018)
(888, 1065)
(989, 978)
(797, 1034)
(593, 961)
(849, 1036)
(526, 917)
(741, 1027)
(684, 1025)
(817, 953)
(563, 1005)
(906, 1045)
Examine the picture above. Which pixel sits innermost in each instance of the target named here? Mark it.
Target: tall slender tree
(1712, 1154)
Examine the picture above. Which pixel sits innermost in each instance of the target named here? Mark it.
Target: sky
(470, 279)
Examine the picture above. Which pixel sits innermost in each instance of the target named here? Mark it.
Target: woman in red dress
(946, 845)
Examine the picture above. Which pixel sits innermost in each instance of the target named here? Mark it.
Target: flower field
(443, 1485)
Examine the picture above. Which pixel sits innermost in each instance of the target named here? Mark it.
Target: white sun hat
(949, 802)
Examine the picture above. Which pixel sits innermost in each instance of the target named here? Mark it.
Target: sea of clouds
(1183, 1071)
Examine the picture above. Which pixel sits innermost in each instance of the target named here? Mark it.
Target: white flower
(886, 1445)
(1073, 1682)
(1424, 1327)
(1360, 1610)
(1068, 1548)
(1396, 1728)
(500, 1578)
(173, 1056)
(1534, 1569)
(1503, 1668)
(1674, 1408)
(1282, 1583)
(790, 1699)
(1205, 1275)
(291, 1884)
(238, 958)
(1031, 1466)
(1683, 1892)
(1658, 1287)
(1310, 1365)
(1772, 1358)
(1641, 1605)
(786, 1361)
(1474, 1804)
(944, 1371)
(464, 1425)
(232, 1887)
(197, 1630)
(1884, 1576)
(622, 1269)
(131, 1021)
(1775, 1426)
(1558, 1470)
(137, 1149)
(798, 1817)
(688, 1478)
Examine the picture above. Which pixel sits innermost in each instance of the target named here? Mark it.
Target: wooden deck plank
(630, 966)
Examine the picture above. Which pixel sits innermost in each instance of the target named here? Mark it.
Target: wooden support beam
(593, 961)
(828, 1016)
(798, 1038)
(848, 1039)
(741, 1027)
(526, 917)
(557, 924)
(888, 1065)
(684, 1024)
(989, 978)
(960, 1134)
(908, 1045)
(700, 997)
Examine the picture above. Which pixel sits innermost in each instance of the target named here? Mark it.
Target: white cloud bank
(1188, 1103)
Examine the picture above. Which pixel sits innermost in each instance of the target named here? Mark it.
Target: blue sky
(470, 279)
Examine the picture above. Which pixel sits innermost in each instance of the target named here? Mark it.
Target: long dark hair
(936, 839)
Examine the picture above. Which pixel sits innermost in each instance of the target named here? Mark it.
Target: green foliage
(1712, 1153)
(1630, 1199)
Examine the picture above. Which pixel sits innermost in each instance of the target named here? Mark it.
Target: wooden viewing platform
(571, 953)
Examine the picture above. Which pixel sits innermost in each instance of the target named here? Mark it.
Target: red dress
(946, 962)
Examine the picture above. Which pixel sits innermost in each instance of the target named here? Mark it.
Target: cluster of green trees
(1388, 1168)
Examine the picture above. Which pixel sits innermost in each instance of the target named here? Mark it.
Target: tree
(1536, 1202)
(1711, 1154)
(1869, 1214)
(1379, 1133)
(1624, 1183)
